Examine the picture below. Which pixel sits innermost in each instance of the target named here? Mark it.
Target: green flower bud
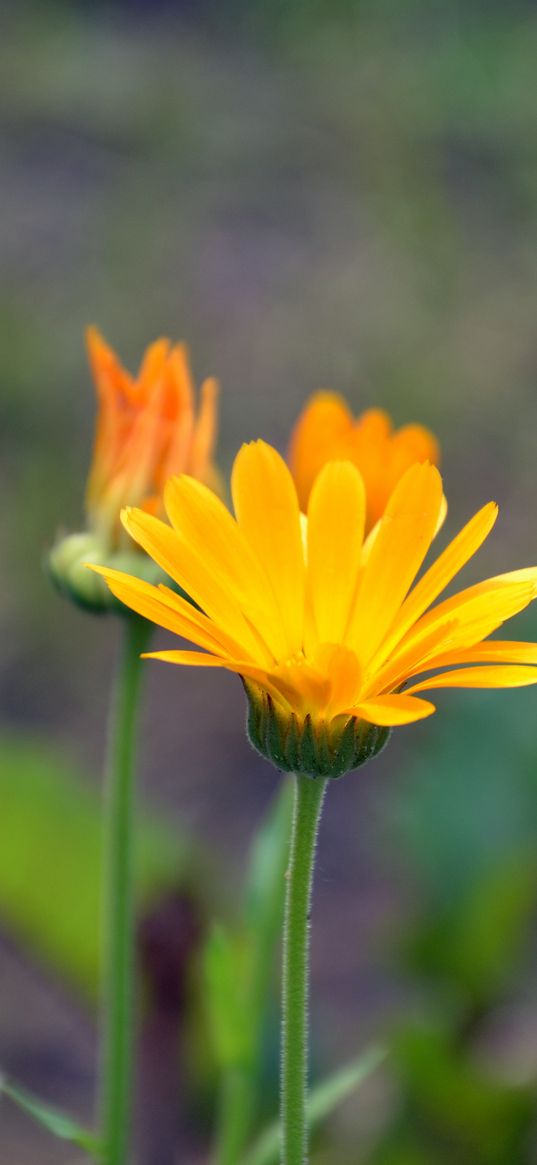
(67, 563)
(323, 748)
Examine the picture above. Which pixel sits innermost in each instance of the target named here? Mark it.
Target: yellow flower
(327, 431)
(325, 629)
(148, 428)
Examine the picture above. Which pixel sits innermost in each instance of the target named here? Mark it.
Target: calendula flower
(331, 633)
(327, 431)
(149, 427)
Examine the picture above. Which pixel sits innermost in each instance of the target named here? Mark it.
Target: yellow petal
(267, 511)
(240, 667)
(303, 685)
(407, 661)
(442, 515)
(492, 651)
(343, 671)
(336, 519)
(316, 437)
(389, 711)
(187, 568)
(405, 534)
(162, 606)
(205, 523)
(477, 611)
(439, 575)
(480, 677)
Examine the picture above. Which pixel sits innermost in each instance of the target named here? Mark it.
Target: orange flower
(147, 430)
(330, 633)
(327, 431)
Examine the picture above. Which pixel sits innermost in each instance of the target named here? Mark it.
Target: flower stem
(118, 965)
(309, 797)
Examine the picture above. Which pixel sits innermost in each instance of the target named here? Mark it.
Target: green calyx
(323, 749)
(67, 566)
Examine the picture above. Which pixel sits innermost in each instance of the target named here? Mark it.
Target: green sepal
(293, 743)
(322, 749)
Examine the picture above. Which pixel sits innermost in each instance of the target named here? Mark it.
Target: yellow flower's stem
(309, 797)
(118, 966)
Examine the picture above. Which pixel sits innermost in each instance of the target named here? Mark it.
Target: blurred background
(341, 193)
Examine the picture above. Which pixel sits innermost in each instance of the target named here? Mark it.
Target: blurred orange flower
(148, 428)
(326, 430)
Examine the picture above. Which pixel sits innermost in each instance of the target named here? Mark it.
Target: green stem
(118, 978)
(241, 1083)
(309, 797)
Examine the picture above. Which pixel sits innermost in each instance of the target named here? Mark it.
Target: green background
(311, 194)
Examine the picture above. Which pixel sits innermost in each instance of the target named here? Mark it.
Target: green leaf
(323, 1100)
(449, 1100)
(239, 960)
(265, 896)
(54, 1122)
(50, 859)
(239, 968)
(224, 964)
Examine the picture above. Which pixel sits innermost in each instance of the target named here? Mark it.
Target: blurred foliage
(323, 1099)
(54, 1122)
(467, 818)
(240, 961)
(469, 826)
(455, 1112)
(50, 859)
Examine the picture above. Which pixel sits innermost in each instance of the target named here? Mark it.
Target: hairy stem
(309, 797)
(118, 996)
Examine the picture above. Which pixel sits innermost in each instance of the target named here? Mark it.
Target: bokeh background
(339, 194)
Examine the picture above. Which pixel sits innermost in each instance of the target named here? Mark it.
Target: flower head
(329, 631)
(327, 431)
(148, 428)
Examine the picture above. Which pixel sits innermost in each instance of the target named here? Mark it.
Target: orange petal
(413, 443)
(204, 438)
(152, 366)
(105, 365)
